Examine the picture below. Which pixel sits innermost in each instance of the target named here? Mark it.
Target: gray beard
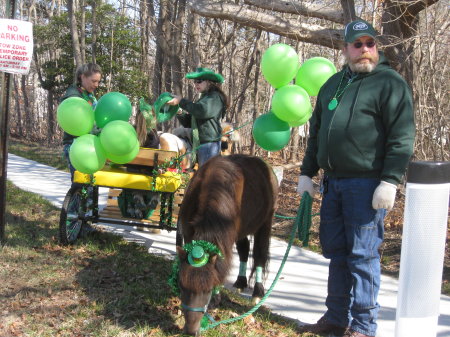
(362, 68)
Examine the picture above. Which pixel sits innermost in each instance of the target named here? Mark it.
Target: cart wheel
(69, 221)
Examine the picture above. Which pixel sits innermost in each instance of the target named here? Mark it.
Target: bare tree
(147, 25)
(399, 23)
(71, 9)
(162, 48)
(176, 50)
(231, 36)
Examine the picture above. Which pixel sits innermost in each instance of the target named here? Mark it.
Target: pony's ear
(213, 259)
(181, 253)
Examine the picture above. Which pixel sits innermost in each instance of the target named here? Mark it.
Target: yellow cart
(80, 205)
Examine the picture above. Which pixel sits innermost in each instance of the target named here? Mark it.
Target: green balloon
(75, 116)
(301, 121)
(271, 133)
(126, 158)
(112, 106)
(87, 154)
(118, 138)
(279, 64)
(313, 73)
(291, 103)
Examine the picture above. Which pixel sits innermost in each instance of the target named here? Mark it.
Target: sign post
(16, 50)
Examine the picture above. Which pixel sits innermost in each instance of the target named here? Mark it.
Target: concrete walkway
(301, 290)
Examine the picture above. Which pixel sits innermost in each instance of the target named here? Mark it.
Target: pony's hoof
(241, 283)
(256, 300)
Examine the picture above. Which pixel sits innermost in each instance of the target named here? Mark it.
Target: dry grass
(101, 286)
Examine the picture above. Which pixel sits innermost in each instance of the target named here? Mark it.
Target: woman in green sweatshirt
(88, 78)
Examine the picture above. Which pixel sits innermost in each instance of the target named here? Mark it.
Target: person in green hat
(362, 137)
(204, 115)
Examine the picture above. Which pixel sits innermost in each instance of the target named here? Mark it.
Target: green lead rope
(303, 219)
(304, 209)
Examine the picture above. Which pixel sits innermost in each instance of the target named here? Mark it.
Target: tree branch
(299, 8)
(416, 6)
(310, 33)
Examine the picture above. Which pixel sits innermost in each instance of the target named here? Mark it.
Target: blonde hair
(141, 128)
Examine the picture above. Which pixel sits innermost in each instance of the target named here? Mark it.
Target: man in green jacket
(361, 136)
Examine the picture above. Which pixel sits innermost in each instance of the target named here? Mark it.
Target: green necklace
(339, 92)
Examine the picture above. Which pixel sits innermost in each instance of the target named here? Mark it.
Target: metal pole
(4, 131)
(423, 248)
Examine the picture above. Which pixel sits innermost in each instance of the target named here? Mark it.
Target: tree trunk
(398, 29)
(94, 31)
(51, 125)
(27, 108)
(255, 97)
(145, 43)
(161, 48)
(83, 31)
(176, 51)
(74, 32)
(247, 81)
(348, 7)
(18, 108)
(193, 56)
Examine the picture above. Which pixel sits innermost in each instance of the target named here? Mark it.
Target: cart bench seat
(120, 178)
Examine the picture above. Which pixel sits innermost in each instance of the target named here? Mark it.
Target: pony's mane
(218, 204)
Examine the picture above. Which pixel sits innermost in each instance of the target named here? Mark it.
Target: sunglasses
(198, 81)
(359, 44)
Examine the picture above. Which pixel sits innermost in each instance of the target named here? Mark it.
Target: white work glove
(384, 196)
(305, 184)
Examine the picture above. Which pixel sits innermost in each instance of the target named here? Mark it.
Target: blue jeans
(206, 151)
(66, 150)
(351, 232)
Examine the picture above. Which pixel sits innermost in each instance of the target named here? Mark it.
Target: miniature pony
(228, 198)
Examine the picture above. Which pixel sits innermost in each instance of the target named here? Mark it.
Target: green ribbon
(195, 140)
(89, 97)
(146, 110)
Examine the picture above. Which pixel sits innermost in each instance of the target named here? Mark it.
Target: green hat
(205, 74)
(163, 111)
(358, 28)
(198, 257)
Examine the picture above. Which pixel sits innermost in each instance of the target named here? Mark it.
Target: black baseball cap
(358, 28)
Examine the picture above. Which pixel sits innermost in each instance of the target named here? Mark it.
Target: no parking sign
(16, 46)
